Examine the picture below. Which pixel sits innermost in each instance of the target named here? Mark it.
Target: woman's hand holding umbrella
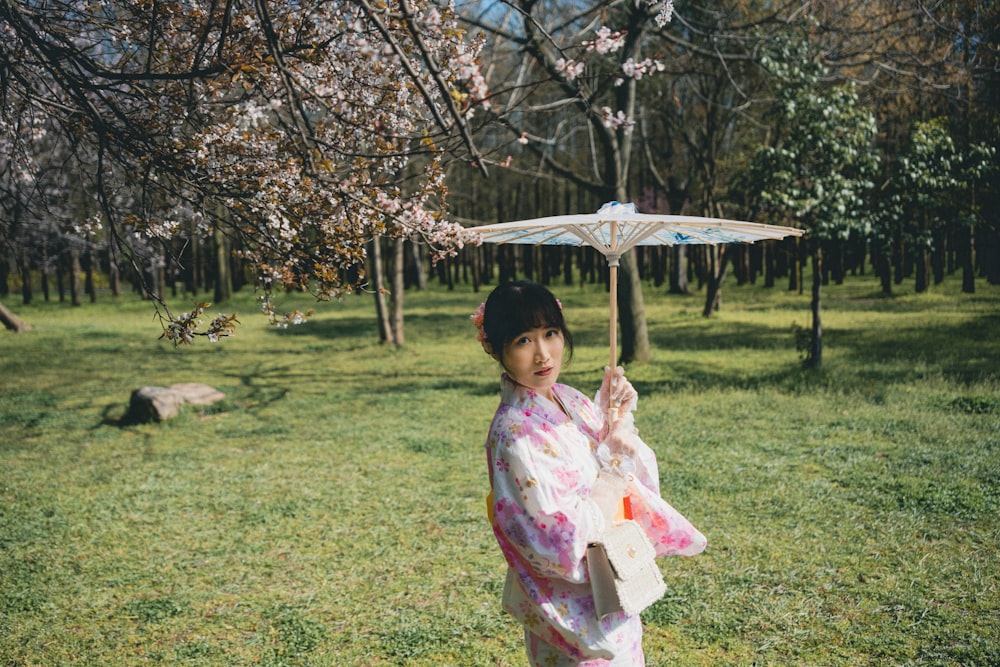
(617, 399)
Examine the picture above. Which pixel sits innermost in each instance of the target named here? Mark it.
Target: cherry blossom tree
(569, 103)
(302, 130)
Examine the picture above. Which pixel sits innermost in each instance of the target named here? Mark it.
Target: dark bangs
(514, 308)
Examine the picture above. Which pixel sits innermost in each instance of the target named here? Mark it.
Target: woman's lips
(544, 372)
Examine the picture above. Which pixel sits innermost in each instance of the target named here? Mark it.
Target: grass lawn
(331, 510)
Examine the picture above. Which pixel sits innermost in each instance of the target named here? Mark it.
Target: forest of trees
(190, 147)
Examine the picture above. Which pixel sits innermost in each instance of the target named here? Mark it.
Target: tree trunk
(74, 276)
(741, 264)
(114, 275)
(45, 283)
(923, 277)
(223, 276)
(171, 261)
(969, 261)
(26, 293)
(193, 271)
(12, 321)
(631, 309)
(837, 268)
(45, 272)
(89, 285)
(158, 272)
(632, 313)
(885, 270)
(398, 287)
(990, 244)
(115, 281)
(937, 256)
(795, 272)
(815, 357)
(419, 276)
(718, 264)
(899, 248)
(769, 264)
(476, 257)
(679, 270)
(377, 275)
(61, 279)
(658, 265)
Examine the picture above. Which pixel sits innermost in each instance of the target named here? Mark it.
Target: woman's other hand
(621, 438)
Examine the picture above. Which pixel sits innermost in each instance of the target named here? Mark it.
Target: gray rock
(149, 404)
(198, 394)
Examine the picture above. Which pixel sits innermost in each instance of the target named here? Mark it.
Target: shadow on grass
(695, 336)
(858, 358)
(965, 352)
(335, 328)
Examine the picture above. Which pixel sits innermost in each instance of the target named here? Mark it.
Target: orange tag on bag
(624, 510)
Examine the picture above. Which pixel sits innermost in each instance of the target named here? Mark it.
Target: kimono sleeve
(543, 514)
(670, 532)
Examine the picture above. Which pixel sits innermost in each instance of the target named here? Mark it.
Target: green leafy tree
(932, 194)
(821, 166)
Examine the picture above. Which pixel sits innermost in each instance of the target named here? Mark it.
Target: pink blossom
(636, 70)
(606, 41)
(570, 69)
(666, 13)
(613, 120)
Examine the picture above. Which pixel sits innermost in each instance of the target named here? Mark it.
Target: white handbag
(623, 571)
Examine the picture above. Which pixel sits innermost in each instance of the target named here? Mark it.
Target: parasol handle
(614, 257)
(613, 284)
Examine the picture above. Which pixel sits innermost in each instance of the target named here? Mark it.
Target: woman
(558, 472)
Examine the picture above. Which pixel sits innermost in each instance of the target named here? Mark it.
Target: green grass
(331, 511)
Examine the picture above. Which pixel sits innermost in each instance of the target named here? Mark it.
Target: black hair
(513, 308)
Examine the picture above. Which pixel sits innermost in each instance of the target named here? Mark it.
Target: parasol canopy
(617, 228)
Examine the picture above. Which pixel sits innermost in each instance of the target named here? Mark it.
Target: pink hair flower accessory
(477, 319)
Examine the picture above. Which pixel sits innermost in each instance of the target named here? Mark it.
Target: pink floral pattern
(543, 466)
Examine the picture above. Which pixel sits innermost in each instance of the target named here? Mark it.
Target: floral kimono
(543, 468)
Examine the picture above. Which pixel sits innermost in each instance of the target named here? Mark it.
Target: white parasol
(617, 228)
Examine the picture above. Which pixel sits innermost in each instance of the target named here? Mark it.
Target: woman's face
(534, 358)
